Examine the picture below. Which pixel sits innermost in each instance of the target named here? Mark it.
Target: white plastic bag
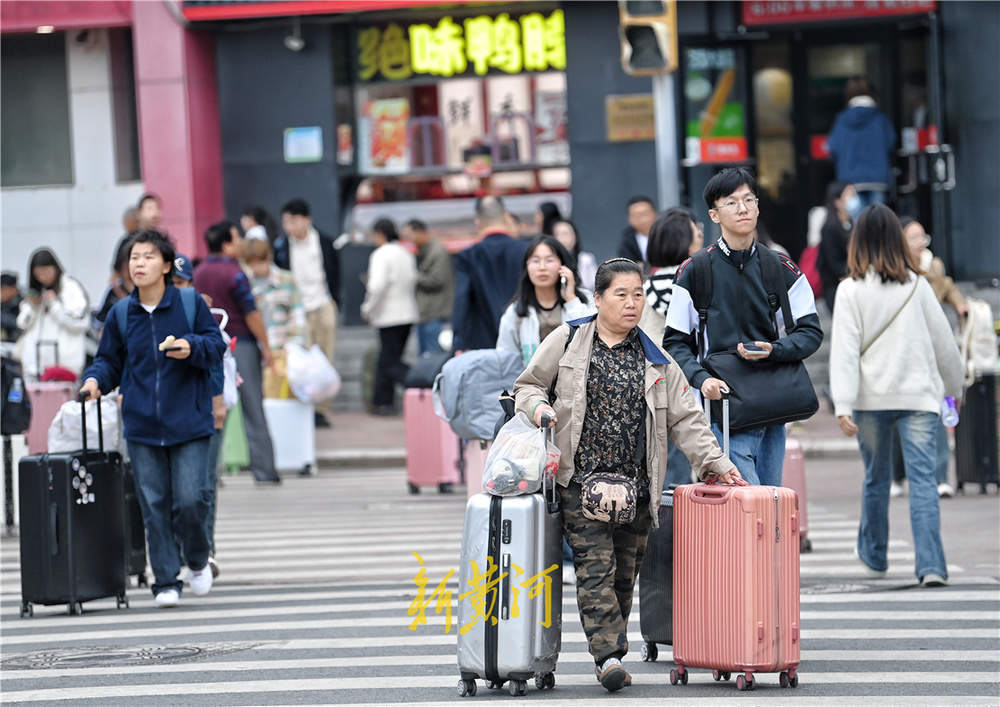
(311, 378)
(518, 458)
(66, 430)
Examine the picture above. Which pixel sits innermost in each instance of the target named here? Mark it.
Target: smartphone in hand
(754, 348)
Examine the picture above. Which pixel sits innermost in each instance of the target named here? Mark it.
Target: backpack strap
(189, 301)
(119, 310)
(774, 284)
(701, 294)
(552, 388)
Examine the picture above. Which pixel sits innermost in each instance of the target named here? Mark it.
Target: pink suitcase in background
(432, 450)
(793, 476)
(736, 582)
(46, 399)
(474, 456)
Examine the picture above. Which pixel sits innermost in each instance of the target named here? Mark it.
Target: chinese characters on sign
(482, 595)
(762, 12)
(531, 42)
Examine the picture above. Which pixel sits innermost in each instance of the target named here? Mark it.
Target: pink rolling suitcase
(736, 580)
(46, 399)
(431, 447)
(474, 453)
(793, 476)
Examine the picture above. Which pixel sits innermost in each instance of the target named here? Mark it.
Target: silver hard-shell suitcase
(523, 537)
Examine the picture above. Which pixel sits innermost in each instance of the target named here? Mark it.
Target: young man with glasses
(740, 316)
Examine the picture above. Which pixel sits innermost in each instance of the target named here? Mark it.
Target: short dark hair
(525, 294)
(490, 209)
(673, 210)
(296, 207)
(877, 244)
(43, 257)
(387, 228)
(726, 182)
(146, 197)
(416, 224)
(607, 270)
(639, 199)
(260, 215)
(162, 243)
(834, 191)
(858, 86)
(670, 239)
(217, 235)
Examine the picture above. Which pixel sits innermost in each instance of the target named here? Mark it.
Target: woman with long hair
(565, 232)
(547, 295)
(673, 238)
(842, 207)
(54, 316)
(893, 360)
(546, 216)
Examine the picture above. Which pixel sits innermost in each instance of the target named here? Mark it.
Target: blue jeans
(678, 467)
(873, 196)
(917, 435)
(170, 482)
(940, 461)
(211, 484)
(759, 454)
(427, 336)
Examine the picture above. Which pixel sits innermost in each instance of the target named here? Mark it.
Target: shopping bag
(519, 456)
(311, 377)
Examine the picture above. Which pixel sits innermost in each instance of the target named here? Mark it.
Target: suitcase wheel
(679, 675)
(445, 487)
(805, 545)
(745, 682)
(413, 488)
(517, 688)
(466, 688)
(27, 609)
(141, 580)
(490, 685)
(75, 608)
(306, 470)
(788, 678)
(121, 601)
(649, 652)
(545, 682)
(720, 675)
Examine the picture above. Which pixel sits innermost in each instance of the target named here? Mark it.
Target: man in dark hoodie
(161, 350)
(860, 143)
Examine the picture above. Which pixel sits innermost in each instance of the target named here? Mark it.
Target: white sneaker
(933, 580)
(896, 489)
(569, 574)
(167, 599)
(184, 575)
(945, 490)
(869, 572)
(201, 581)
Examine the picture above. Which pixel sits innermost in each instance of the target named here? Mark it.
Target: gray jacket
(435, 282)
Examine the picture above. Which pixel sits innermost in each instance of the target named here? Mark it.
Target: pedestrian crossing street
(317, 581)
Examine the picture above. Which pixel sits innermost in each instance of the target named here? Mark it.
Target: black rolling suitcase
(976, 435)
(135, 530)
(72, 527)
(656, 582)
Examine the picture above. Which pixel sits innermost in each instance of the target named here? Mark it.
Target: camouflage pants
(607, 558)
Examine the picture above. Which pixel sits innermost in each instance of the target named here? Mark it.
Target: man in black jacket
(315, 265)
(635, 237)
(486, 276)
(740, 315)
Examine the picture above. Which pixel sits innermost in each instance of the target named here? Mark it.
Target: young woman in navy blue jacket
(161, 359)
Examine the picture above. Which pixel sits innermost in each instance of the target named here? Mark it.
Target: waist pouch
(610, 497)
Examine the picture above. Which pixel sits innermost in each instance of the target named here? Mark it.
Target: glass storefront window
(715, 111)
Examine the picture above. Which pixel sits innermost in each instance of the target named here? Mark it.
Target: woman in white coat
(892, 361)
(391, 306)
(547, 295)
(55, 317)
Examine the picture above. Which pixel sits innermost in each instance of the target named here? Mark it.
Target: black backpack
(16, 411)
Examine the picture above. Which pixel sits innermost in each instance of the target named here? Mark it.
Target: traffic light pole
(667, 162)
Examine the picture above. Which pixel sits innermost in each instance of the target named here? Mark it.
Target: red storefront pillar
(178, 110)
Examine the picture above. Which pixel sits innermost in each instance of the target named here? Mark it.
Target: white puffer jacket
(64, 321)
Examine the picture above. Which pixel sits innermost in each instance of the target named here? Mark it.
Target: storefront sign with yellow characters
(476, 45)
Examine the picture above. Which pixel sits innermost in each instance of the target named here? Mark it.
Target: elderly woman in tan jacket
(615, 398)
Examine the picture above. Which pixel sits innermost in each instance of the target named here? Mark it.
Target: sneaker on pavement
(184, 575)
(869, 571)
(167, 599)
(201, 581)
(569, 574)
(945, 490)
(612, 675)
(215, 567)
(933, 580)
(896, 489)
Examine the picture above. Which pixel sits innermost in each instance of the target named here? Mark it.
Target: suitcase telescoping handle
(725, 418)
(38, 352)
(82, 397)
(549, 435)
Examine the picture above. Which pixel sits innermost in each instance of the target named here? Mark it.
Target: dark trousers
(252, 401)
(390, 369)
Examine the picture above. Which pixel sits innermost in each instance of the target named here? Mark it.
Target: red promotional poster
(767, 12)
